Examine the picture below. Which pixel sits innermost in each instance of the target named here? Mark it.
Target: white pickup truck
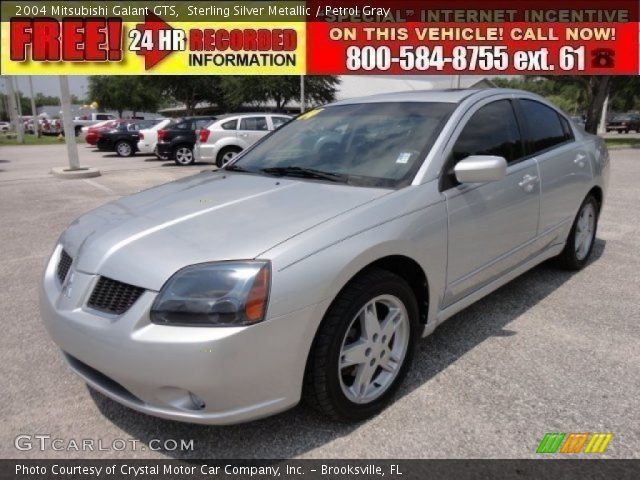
(83, 122)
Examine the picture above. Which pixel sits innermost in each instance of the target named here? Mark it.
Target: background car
(176, 141)
(148, 137)
(123, 139)
(5, 126)
(225, 138)
(624, 123)
(92, 134)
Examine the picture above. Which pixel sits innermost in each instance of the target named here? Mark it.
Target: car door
(565, 167)
(491, 225)
(252, 129)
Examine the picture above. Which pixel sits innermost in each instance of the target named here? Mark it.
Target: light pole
(34, 112)
(74, 170)
(67, 121)
(13, 109)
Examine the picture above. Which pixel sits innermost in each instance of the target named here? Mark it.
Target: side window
(566, 128)
(279, 121)
(544, 126)
(186, 125)
(253, 123)
(492, 130)
(230, 125)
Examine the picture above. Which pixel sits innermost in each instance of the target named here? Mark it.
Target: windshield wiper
(304, 172)
(235, 168)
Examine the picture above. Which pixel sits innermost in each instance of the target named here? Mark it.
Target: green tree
(279, 89)
(124, 92)
(191, 89)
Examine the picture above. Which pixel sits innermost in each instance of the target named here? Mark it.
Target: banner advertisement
(314, 37)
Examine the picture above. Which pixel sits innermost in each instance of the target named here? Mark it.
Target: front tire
(183, 155)
(579, 246)
(363, 348)
(124, 149)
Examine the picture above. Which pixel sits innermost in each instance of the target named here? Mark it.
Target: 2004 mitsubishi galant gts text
(312, 263)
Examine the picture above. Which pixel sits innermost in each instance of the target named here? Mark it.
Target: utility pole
(302, 102)
(34, 112)
(67, 121)
(13, 109)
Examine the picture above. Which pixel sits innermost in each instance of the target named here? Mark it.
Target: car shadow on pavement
(300, 430)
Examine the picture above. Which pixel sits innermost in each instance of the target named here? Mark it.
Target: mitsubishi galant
(311, 264)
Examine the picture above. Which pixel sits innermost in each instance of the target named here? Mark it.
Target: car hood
(144, 238)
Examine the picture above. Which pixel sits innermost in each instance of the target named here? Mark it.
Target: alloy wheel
(184, 156)
(374, 349)
(585, 228)
(124, 149)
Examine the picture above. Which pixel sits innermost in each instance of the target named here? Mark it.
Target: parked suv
(225, 138)
(123, 138)
(176, 141)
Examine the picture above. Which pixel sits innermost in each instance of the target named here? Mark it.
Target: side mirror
(481, 169)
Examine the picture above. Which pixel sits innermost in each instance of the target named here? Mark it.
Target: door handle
(579, 160)
(528, 182)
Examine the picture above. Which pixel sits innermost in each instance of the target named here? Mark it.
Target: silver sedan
(311, 265)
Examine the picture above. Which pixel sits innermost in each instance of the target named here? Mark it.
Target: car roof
(451, 95)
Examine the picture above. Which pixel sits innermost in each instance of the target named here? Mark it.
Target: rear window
(544, 126)
(230, 125)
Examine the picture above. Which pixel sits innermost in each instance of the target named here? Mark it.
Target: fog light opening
(198, 403)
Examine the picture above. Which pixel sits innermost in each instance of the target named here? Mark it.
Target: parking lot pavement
(549, 352)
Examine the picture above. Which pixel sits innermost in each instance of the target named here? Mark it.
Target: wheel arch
(598, 194)
(409, 270)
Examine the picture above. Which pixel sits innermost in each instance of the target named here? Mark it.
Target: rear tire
(226, 155)
(579, 246)
(363, 348)
(124, 149)
(183, 155)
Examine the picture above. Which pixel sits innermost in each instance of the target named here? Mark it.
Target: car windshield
(366, 144)
(621, 118)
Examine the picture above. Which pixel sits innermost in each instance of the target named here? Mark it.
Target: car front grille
(64, 265)
(111, 296)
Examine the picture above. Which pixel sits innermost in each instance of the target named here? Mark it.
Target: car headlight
(214, 294)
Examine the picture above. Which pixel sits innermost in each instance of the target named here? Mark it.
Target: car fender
(337, 250)
(230, 142)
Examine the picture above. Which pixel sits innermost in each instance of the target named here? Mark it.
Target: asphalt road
(550, 352)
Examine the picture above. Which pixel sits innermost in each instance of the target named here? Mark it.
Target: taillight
(141, 136)
(161, 135)
(204, 135)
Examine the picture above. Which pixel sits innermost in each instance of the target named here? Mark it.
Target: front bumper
(239, 373)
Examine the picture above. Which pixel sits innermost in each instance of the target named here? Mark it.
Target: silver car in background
(310, 265)
(227, 137)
